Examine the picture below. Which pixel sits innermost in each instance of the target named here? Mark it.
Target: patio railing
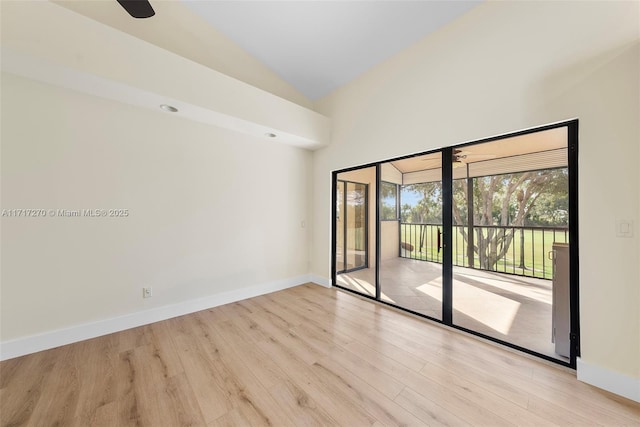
(524, 249)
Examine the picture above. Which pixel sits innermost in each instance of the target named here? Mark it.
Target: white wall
(502, 67)
(211, 211)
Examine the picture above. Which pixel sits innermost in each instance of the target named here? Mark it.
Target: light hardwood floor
(510, 308)
(303, 356)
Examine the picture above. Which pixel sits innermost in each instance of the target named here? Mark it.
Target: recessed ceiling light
(270, 135)
(169, 108)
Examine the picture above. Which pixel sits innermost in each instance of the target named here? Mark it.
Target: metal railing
(522, 251)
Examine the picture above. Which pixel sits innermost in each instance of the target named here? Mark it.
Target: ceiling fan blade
(138, 8)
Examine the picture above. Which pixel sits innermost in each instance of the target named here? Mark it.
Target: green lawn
(538, 243)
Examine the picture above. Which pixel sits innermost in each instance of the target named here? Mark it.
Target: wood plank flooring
(511, 308)
(304, 356)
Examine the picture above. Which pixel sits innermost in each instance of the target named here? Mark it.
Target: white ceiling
(318, 46)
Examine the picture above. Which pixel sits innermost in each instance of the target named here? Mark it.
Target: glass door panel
(356, 225)
(340, 217)
(510, 201)
(355, 230)
(410, 234)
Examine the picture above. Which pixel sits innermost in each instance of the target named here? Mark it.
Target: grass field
(538, 242)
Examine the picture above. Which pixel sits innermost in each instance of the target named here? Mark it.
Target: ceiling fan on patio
(459, 158)
(138, 8)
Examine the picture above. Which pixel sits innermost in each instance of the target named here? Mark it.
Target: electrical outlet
(147, 292)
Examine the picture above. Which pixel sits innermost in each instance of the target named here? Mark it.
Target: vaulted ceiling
(300, 50)
(318, 46)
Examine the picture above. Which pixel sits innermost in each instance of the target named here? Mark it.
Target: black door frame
(447, 226)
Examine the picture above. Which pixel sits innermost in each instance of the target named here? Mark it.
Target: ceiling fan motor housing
(138, 8)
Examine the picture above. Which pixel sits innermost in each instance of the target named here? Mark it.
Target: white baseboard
(34, 343)
(615, 382)
(319, 280)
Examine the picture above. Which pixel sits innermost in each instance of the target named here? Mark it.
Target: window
(389, 201)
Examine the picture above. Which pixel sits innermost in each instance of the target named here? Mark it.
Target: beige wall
(210, 210)
(502, 67)
(389, 239)
(390, 174)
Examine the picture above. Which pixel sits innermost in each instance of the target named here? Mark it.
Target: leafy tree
(534, 198)
(389, 198)
(406, 212)
(505, 200)
(552, 207)
(429, 207)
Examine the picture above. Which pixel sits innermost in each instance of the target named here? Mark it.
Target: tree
(405, 212)
(503, 200)
(552, 207)
(389, 198)
(429, 207)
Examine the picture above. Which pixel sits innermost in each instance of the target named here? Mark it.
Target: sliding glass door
(510, 208)
(410, 234)
(481, 237)
(352, 223)
(355, 230)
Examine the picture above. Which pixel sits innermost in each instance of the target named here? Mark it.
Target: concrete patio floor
(511, 308)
